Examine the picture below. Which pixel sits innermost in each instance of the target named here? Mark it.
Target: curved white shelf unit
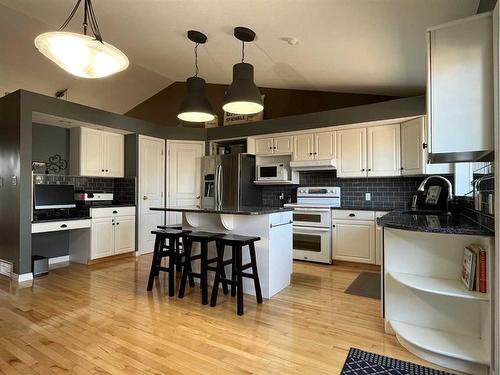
(445, 287)
(465, 348)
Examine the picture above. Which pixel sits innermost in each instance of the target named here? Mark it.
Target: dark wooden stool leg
(154, 262)
(204, 273)
(233, 270)
(171, 266)
(256, 282)
(186, 268)
(190, 269)
(239, 282)
(178, 250)
(218, 273)
(225, 289)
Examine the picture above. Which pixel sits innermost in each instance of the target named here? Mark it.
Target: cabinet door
(91, 153)
(303, 147)
(283, 145)
(263, 146)
(124, 234)
(113, 155)
(324, 147)
(103, 239)
(412, 147)
(354, 241)
(351, 153)
(384, 155)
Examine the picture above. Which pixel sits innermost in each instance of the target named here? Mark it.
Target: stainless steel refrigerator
(228, 181)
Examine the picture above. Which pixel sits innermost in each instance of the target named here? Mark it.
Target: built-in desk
(60, 225)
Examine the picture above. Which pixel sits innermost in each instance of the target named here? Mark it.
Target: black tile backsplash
(386, 193)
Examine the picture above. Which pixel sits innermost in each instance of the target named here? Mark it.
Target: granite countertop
(45, 220)
(347, 208)
(253, 210)
(448, 224)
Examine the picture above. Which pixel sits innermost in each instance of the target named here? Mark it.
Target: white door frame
(496, 104)
(167, 163)
(140, 201)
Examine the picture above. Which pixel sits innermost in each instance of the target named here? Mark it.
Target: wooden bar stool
(170, 226)
(204, 238)
(181, 249)
(169, 249)
(236, 242)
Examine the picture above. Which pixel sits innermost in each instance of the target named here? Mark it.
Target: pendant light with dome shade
(242, 96)
(195, 106)
(80, 54)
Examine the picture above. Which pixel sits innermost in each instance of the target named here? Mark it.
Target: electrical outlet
(368, 196)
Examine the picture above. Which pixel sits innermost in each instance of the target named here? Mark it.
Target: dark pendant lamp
(195, 106)
(242, 96)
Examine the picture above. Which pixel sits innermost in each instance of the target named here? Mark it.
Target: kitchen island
(274, 250)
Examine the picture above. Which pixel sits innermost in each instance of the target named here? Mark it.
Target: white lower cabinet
(113, 231)
(354, 236)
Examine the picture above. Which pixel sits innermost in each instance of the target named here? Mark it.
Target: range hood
(313, 165)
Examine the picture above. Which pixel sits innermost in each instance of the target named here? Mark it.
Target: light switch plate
(368, 196)
(13, 181)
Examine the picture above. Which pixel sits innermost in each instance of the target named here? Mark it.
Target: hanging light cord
(196, 69)
(88, 15)
(242, 51)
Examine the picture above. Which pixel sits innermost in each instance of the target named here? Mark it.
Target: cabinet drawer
(353, 215)
(55, 226)
(112, 211)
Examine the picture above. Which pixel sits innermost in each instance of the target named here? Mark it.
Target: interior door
(114, 155)
(151, 190)
(384, 155)
(351, 153)
(184, 176)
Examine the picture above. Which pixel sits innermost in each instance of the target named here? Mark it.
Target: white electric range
(312, 223)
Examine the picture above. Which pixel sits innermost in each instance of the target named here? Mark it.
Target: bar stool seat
(170, 226)
(163, 249)
(204, 238)
(236, 242)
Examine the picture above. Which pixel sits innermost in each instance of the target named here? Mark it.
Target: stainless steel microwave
(272, 172)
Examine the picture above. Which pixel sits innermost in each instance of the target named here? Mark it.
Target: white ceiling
(366, 46)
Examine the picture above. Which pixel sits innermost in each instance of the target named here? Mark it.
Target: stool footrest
(229, 281)
(194, 274)
(164, 269)
(249, 275)
(246, 266)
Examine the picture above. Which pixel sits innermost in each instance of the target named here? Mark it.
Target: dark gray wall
(131, 157)
(10, 165)
(49, 141)
(486, 6)
(406, 107)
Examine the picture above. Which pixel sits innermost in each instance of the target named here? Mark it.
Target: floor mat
(359, 362)
(367, 284)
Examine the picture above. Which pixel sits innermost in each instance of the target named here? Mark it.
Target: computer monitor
(54, 196)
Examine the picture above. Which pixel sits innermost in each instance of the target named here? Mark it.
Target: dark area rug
(359, 362)
(367, 284)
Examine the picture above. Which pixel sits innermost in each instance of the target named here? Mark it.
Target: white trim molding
(61, 259)
(22, 277)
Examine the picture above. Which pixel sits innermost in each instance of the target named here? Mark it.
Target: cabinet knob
(198, 197)
(113, 224)
(107, 170)
(144, 198)
(402, 169)
(117, 223)
(363, 170)
(102, 170)
(369, 169)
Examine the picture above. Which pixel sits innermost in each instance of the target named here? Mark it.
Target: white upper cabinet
(96, 153)
(351, 153)
(325, 145)
(314, 146)
(277, 145)
(303, 147)
(414, 148)
(384, 151)
(283, 145)
(263, 146)
(460, 88)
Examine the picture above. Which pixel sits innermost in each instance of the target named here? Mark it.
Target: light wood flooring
(100, 319)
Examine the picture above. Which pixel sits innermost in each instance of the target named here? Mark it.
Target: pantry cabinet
(96, 153)
(351, 153)
(384, 155)
(113, 231)
(276, 145)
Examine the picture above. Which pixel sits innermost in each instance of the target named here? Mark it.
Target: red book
(482, 272)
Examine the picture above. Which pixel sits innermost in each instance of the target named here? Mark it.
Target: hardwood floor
(100, 319)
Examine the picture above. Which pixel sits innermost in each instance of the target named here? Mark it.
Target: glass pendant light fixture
(242, 96)
(195, 106)
(82, 55)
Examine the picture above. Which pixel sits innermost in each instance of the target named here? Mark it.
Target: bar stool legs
(253, 261)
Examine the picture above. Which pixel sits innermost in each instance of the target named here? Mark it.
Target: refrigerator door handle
(217, 186)
(221, 191)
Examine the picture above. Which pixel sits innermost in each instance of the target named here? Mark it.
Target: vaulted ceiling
(360, 46)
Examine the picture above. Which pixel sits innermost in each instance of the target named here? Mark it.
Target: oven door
(313, 244)
(312, 217)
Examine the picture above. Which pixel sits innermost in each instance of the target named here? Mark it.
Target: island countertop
(244, 210)
(448, 224)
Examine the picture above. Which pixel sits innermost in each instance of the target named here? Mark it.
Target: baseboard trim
(23, 277)
(61, 259)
